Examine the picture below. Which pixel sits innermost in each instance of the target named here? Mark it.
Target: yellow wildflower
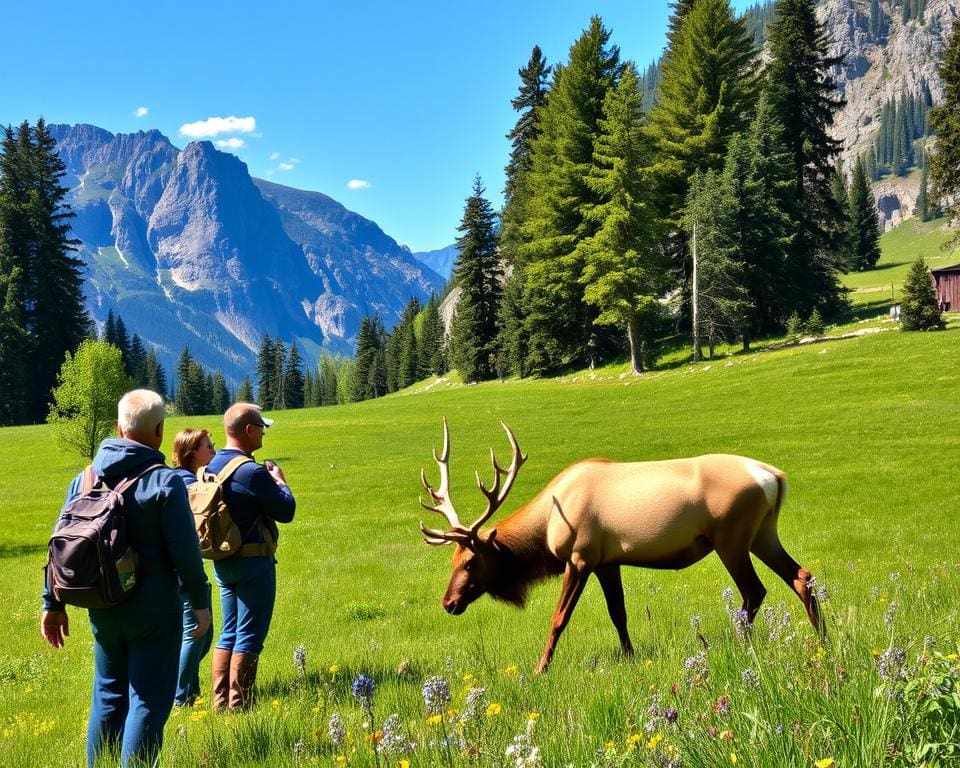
(648, 663)
(733, 758)
(726, 735)
(533, 716)
(434, 719)
(199, 702)
(275, 704)
(404, 763)
(333, 670)
(827, 762)
(633, 738)
(493, 709)
(654, 740)
(341, 760)
(511, 670)
(198, 715)
(468, 677)
(951, 657)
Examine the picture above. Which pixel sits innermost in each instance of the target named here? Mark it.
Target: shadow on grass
(19, 550)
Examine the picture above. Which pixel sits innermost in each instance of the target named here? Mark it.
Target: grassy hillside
(866, 430)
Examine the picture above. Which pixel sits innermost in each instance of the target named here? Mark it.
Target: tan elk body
(597, 515)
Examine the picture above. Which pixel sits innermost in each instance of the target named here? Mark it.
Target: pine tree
(624, 274)
(709, 85)
(919, 308)
(136, 361)
(188, 400)
(765, 230)
(923, 196)
(293, 379)
(430, 341)
(122, 342)
(558, 324)
(804, 99)
(279, 368)
(407, 363)
(945, 123)
(244, 392)
(309, 391)
(155, 378)
(34, 239)
(220, 394)
(110, 329)
(477, 273)
(266, 374)
(329, 380)
(368, 363)
(13, 347)
(863, 234)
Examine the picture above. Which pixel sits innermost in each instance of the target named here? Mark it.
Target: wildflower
(827, 762)
(375, 737)
(511, 670)
(654, 740)
(297, 751)
(891, 663)
(404, 763)
(276, 704)
(890, 615)
(363, 688)
(733, 758)
(393, 740)
(434, 719)
(726, 735)
(436, 694)
(875, 592)
(750, 678)
(336, 729)
(473, 703)
(403, 667)
(741, 623)
(334, 669)
(695, 622)
(722, 706)
(533, 716)
(728, 599)
(300, 658)
(671, 715)
(493, 709)
(632, 739)
(522, 750)
(198, 715)
(696, 668)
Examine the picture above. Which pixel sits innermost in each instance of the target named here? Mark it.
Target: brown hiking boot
(220, 686)
(243, 674)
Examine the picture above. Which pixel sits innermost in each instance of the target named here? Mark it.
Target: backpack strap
(88, 479)
(124, 486)
(232, 466)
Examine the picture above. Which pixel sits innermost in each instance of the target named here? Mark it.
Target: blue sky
(389, 107)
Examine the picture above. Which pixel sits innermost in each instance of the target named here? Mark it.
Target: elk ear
(490, 537)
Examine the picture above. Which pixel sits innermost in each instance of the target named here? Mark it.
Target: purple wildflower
(741, 623)
(336, 729)
(671, 715)
(436, 694)
(300, 658)
(363, 688)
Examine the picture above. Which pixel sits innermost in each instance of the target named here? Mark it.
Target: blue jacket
(159, 526)
(252, 494)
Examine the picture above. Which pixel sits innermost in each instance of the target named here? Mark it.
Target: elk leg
(740, 567)
(768, 548)
(574, 580)
(612, 584)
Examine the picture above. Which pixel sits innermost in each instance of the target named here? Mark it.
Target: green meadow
(867, 431)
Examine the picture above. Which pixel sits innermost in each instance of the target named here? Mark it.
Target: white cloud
(274, 156)
(359, 184)
(232, 143)
(214, 126)
(141, 112)
(285, 166)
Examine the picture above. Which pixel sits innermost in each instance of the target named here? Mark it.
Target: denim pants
(192, 650)
(135, 676)
(248, 589)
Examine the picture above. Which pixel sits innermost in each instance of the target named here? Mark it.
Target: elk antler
(496, 495)
(441, 496)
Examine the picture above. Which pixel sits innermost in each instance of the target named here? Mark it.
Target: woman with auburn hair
(192, 449)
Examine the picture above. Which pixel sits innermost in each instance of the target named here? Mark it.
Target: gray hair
(140, 411)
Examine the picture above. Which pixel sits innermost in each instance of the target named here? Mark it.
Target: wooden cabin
(947, 282)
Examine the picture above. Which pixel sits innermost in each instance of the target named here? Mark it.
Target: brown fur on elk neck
(597, 515)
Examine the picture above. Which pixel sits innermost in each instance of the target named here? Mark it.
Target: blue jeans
(192, 650)
(135, 676)
(248, 589)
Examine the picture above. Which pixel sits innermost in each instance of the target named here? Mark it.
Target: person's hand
(55, 627)
(275, 472)
(203, 617)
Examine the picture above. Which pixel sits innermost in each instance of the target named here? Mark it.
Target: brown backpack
(218, 534)
(91, 563)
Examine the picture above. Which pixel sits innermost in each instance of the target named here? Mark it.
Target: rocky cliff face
(876, 69)
(191, 251)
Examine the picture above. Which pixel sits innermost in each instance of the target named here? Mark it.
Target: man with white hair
(137, 643)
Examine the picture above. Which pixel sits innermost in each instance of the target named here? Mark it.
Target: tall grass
(866, 430)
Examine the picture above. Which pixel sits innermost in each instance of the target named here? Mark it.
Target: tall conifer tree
(477, 273)
(863, 234)
(945, 123)
(804, 98)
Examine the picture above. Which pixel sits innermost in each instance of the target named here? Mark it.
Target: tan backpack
(218, 534)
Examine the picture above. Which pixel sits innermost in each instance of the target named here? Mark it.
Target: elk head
(475, 559)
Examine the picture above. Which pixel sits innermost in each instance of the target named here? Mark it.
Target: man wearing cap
(258, 498)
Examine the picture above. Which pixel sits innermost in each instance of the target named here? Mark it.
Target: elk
(597, 515)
